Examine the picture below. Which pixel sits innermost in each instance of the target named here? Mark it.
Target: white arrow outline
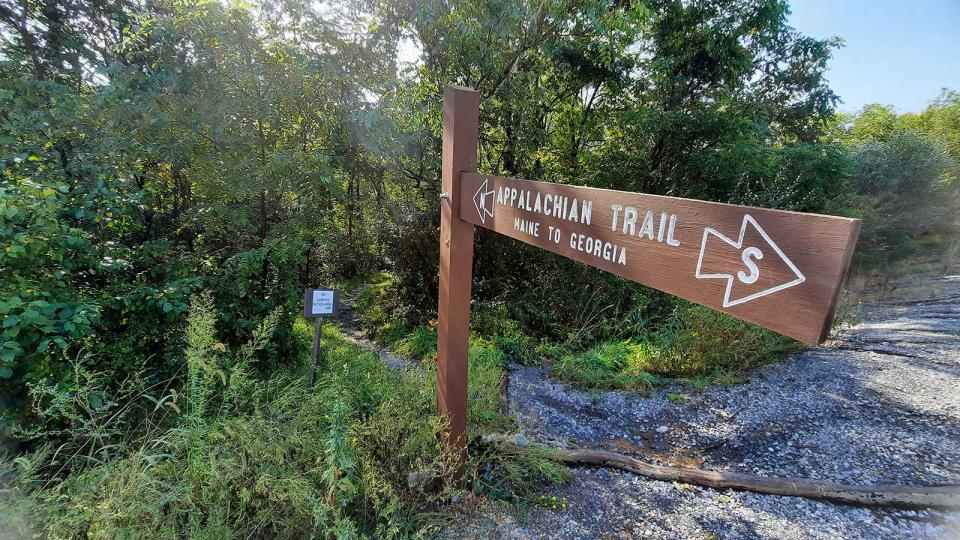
(482, 208)
(739, 245)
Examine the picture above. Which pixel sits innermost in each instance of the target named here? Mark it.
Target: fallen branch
(944, 496)
(947, 496)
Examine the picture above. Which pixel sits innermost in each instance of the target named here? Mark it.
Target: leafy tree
(909, 182)
(905, 174)
(717, 100)
(941, 120)
(151, 150)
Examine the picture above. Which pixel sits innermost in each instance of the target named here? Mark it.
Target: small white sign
(322, 303)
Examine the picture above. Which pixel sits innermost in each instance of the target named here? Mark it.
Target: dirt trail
(350, 328)
(879, 405)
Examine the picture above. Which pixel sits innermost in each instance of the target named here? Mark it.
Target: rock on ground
(881, 404)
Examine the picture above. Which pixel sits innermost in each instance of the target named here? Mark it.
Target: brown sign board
(781, 270)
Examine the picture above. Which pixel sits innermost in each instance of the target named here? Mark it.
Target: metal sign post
(317, 304)
(778, 269)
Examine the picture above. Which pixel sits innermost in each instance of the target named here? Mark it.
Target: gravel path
(879, 405)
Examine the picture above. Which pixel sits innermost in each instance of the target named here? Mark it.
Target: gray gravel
(879, 405)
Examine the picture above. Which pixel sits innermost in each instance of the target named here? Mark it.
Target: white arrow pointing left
(483, 201)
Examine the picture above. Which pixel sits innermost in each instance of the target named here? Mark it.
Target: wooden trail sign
(778, 269)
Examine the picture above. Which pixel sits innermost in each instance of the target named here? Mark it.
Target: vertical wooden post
(317, 330)
(461, 111)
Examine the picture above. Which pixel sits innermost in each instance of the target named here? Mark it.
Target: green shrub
(419, 345)
(484, 383)
(692, 343)
(518, 348)
(516, 474)
(909, 191)
(698, 340)
(606, 366)
(550, 351)
(370, 304)
(231, 455)
(267, 459)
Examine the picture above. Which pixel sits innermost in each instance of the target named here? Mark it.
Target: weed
(518, 348)
(552, 502)
(267, 459)
(230, 456)
(694, 343)
(849, 313)
(504, 471)
(419, 345)
(551, 351)
(608, 365)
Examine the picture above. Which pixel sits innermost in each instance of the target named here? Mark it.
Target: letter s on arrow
(754, 271)
(749, 255)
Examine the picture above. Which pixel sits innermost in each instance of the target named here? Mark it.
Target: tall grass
(243, 457)
(694, 343)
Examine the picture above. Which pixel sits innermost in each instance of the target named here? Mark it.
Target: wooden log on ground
(946, 496)
(943, 496)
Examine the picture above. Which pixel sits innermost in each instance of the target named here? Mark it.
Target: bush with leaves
(44, 257)
(693, 342)
(910, 185)
(230, 455)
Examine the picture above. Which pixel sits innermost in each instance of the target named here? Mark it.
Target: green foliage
(232, 456)
(518, 348)
(696, 340)
(40, 252)
(873, 123)
(517, 474)
(485, 381)
(377, 308)
(693, 342)
(941, 121)
(420, 344)
(492, 319)
(715, 99)
(908, 180)
(849, 312)
(151, 151)
(610, 365)
(243, 459)
(87, 417)
(41, 309)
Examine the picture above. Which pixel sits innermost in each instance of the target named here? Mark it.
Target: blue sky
(897, 52)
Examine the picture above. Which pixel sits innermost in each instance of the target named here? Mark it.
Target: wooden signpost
(317, 304)
(778, 269)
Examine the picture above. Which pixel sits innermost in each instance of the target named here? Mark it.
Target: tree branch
(942, 496)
